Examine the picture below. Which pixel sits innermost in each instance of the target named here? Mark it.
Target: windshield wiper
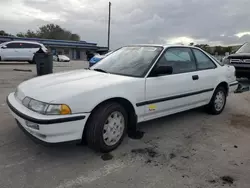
(100, 70)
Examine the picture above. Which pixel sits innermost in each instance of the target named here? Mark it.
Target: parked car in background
(138, 83)
(97, 58)
(61, 58)
(241, 61)
(19, 51)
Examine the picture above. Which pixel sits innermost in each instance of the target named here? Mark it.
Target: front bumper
(233, 86)
(48, 128)
(242, 69)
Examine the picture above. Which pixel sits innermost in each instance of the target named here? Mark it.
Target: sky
(213, 22)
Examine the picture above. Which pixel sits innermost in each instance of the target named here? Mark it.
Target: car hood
(53, 87)
(239, 55)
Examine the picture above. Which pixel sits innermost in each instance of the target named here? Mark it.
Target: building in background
(75, 50)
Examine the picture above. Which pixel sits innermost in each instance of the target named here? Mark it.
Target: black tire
(95, 126)
(211, 109)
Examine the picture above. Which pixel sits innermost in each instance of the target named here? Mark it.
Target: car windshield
(244, 49)
(107, 53)
(132, 61)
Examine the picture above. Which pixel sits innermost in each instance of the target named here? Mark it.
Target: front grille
(246, 60)
(239, 60)
(235, 61)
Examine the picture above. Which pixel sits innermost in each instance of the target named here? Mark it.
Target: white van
(19, 50)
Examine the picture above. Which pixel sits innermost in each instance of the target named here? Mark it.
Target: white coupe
(134, 84)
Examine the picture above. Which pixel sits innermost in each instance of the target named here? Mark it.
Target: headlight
(35, 105)
(45, 108)
(58, 109)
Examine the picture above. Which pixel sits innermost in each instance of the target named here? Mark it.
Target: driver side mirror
(163, 70)
(3, 47)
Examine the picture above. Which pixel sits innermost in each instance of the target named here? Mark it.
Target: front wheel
(218, 101)
(106, 127)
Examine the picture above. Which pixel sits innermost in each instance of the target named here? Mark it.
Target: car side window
(25, 45)
(179, 58)
(203, 61)
(13, 45)
(36, 46)
(30, 45)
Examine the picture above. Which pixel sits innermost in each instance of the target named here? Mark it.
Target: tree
(51, 31)
(220, 50)
(75, 37)
(204, 47)
(228, 49)
(3, 33)
(28, 34)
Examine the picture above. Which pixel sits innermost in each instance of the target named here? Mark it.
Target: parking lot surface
(187, 150)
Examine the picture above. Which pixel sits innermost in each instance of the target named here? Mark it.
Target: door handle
(195, 77)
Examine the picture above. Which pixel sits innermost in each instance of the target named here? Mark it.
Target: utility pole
(109, 25)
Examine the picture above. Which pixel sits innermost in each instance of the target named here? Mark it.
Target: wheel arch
(225, 85)
(128, 106)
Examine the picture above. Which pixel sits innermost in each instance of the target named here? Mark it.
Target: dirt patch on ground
(227, 180)
(240, 120)
(107, 157)
(223, 180)
(150, 152)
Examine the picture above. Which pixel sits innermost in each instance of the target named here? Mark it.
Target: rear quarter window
(203, 61)
(216, 60)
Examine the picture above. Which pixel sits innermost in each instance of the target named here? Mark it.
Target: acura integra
(132, 85)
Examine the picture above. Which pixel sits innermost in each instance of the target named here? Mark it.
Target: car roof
(163, 45)
(20, 41)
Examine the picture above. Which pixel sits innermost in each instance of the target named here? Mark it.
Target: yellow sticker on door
(152, 107)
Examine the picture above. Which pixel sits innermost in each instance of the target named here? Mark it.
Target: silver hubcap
(113, 128)
(219, 100)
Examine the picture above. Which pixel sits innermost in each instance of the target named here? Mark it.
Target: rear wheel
(218, 101)
(106, 127)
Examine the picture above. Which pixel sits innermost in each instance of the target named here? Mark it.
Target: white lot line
(95, 175)
(17, 163)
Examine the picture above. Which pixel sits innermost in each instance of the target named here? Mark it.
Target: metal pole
(109, 25)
